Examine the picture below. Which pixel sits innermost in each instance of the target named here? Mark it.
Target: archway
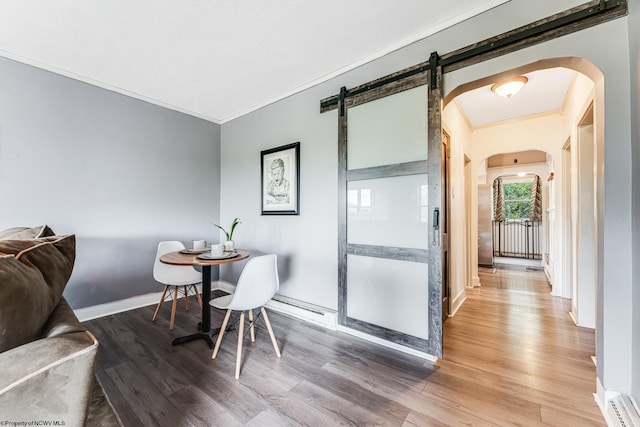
(547, 132)
(566, 258)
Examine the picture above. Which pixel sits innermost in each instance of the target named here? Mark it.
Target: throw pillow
(17, 233)
(33, 275)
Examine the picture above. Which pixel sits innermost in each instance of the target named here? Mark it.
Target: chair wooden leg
(251, 328)
(221, 334)
(240, 336)
(164, 293)
(195, 288)
(186, 296)
(173, 308)
(273, 337)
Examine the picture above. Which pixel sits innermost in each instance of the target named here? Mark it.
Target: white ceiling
(545, 92)
(216, 59)
(220, 59)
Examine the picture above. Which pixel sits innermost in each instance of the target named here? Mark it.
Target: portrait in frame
(280, 180)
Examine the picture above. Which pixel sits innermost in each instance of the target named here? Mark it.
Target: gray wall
(305, 244)
(120, 173)
(634, 48)
(308, 243)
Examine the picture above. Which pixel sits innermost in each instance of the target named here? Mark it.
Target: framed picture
(280, 171)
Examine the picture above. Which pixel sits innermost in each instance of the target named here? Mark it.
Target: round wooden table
(178, 258)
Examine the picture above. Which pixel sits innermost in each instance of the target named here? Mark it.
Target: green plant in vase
(228, 244)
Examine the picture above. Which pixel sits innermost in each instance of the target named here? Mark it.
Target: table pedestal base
(207, 336)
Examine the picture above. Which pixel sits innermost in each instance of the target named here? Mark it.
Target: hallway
(513, 355)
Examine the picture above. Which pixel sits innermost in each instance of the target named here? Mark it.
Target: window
(359, 200)
(424, 203)
(517, 199)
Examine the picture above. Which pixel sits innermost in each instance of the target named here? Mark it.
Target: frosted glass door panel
(389, 293)
(389, 130)
(388, 211)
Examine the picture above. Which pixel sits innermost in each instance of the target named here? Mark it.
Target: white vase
(228, 245)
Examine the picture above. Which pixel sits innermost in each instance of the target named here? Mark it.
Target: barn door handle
(436, 226)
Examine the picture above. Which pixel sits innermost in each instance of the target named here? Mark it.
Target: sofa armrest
(48, 379)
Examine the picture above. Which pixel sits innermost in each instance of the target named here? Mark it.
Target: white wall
(634, 40)
(583, 212)
(308, 243)
(120, 173)
(582, 263)
(455, 125)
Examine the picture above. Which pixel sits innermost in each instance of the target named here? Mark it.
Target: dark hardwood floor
(512, 356)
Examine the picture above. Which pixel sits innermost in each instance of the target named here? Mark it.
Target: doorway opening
(517, 216)
(568, 138)
(483, 133)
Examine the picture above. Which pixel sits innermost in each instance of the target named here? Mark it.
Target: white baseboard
(475, 281)
(224, 285)
(457, 302)
(575, 321)
(101, 310)
(548, 271)
(598, 396)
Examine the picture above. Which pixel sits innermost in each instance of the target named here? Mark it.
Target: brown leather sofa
(47, 358)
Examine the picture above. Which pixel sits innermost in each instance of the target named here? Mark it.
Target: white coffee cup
(199, 244)
(217, 250)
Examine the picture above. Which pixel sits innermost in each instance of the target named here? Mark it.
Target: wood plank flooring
(512, 356)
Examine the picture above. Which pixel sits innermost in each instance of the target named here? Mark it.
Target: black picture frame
(280, 180)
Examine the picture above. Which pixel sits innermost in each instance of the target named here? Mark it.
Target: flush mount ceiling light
(508, 88)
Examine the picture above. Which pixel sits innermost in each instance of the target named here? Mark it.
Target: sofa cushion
(33, 275)
(17, 233)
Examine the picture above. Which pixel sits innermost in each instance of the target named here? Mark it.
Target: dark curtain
(498, 200)
(535, 208)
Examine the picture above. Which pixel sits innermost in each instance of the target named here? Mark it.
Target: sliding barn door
(391, 196)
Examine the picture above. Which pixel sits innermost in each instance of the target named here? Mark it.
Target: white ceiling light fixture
(508, 88)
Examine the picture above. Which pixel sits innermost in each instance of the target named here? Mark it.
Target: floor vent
(622, 412)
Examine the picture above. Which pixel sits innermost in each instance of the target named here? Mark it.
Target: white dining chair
(177, 279)
(258, 283)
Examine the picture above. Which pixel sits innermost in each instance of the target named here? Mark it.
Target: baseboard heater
(622, 412)
(301, 310)
(299, 304)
